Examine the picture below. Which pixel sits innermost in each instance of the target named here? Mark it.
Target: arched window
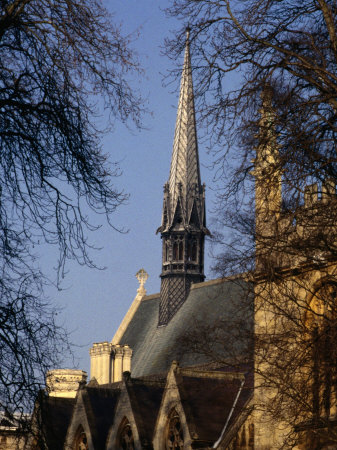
(174, 432)
(181, 250)
(178, 249)
(124, 436)
(192, 250)
(167, 251)
(175, 251)
(81, 441)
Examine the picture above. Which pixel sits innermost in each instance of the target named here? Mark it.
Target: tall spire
(183, 225)
(185, 172)
(268, 183)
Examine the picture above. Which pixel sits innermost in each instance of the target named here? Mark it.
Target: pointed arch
(178, 248)
(174, 436)
(125, 439)
(192, 249)
(166, 250)
(80, 440)
(178, 214)
(194, 216)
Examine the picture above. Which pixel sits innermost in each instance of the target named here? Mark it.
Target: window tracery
(192, 250)
(167, 251)
(174, 434)
(178, 249)
(81, 441)
(125, 436)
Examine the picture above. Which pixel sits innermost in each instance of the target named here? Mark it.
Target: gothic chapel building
(152, 386)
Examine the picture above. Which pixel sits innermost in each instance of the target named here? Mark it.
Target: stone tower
(183, 226)
(268, 186)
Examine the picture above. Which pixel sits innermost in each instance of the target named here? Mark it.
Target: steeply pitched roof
(55, 413)
(100, 405)
(210, 400)
(154, 348)
(185, 171)
(145, 396)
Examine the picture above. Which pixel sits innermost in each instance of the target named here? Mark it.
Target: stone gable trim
(151, 297)
(127, 318)
(79, 418)
(124, 410)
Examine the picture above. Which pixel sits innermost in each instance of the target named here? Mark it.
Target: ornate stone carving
(142, 276)
(64, 382)
(175, 436)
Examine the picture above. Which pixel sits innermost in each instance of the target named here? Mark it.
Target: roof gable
(55, 415)
(100, 405)
(212, 401)
(208, 403)
(145, 398)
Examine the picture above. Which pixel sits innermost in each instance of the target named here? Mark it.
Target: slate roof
(185, 172)
(154, 348)
(56, 414)
(208, 399)
(100, 405)
(145, 397)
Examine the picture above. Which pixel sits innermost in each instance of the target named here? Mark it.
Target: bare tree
(274, 141)
(290, 46)
(61, 63)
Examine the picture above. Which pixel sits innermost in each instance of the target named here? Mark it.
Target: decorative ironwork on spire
(183, 226)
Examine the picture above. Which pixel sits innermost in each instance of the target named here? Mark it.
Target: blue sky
(93, 302)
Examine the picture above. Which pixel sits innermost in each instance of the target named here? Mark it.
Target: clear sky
(94, 302)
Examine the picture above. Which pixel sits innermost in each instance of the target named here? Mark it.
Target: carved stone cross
(142, 276)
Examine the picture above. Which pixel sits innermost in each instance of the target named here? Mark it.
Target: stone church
(154, 386)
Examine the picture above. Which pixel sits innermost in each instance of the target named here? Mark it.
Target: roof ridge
(211, 374)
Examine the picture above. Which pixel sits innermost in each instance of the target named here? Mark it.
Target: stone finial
(142, 276)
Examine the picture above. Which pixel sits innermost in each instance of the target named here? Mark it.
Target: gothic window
(165, 217)
(192, 250)
(178, 249)
(323, 325)
(125, 437)
(81, 441)
(174, 433)
(175, 251)
(167, 251)
(181, 250)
